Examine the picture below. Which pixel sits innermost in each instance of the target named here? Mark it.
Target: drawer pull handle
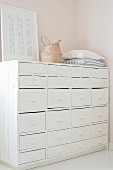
(33, 143)
(59, 121)
(59, 138)
(99, 115)
(100, 97)
(81, 117)
(58, 152)
(80, 146)
(26, 67)
(32, 158)
(80, 133)
(32, 124)
(59, 100)
(32, 100)
(81, 98)
(99, 130)
(98, 141)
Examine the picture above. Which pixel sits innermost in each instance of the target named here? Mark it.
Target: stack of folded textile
(83, 57)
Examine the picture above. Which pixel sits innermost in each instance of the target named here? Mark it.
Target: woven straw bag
(51, 51)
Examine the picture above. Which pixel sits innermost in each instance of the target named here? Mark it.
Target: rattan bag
(51, 51)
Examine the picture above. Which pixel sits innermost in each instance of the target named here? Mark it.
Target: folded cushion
(82, 54)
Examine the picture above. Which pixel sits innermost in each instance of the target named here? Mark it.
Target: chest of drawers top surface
(53, 69)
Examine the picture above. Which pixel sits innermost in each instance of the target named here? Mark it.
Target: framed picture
(19, 34)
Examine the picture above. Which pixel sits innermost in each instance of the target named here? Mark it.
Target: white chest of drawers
(51, 112)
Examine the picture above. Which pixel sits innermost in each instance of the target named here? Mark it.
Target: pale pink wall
(95, 32)
(56, 19)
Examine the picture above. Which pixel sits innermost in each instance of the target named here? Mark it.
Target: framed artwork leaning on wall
(19, 34)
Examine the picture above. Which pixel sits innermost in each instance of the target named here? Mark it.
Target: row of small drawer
(61, 150)
(56, 120)
(56, 70)
(62, 82)
(38, 141)
(31, 99)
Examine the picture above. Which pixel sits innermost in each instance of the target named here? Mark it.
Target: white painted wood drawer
(59, 98)
(40, 69)
(81, 97)
(58, 82)
(28, 157)
(100, 73)
(56, 120)
(95, 142)
(53, 70)
(40, 82)
(99, 96)
(59, 151)
(26, 68)
(64, 71)
(86, 72)
(34, 141)
(99, 130)
(81, 117)
(99, 83)
(58, 137)
(80, 133)
(80, 83)
(76, 71)
(99, 114)
(81, 146)
(32, 122)
(25, 80)
(32, 100)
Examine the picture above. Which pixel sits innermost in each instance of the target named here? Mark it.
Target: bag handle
(45, 38)
(58, 42)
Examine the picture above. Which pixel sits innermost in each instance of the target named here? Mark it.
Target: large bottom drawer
(35, 141)
(99, 141)
(81, 146)
(32, 156)
(58, 151)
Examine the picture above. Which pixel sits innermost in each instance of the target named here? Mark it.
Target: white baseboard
(111, 146)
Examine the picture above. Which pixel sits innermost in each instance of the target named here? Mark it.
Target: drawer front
(32, 156)
(32, 122)
(56, 120)
(26, 69)
(81, 83)
(59, 98)
(31, 100)
(58, 151)
(81, 146)
(58, 137)
(81, 133)
(99, 114)
(99, 96)
(55, 82)
(36, 141)
(86, 72)
(40, 82)
(25, 80)
(76, 71)
(99, 83)
(81, 117)
(99, 141)
(100, 73)
(53, 70)
(40, 69)
(64, 71)
(81, 97)
(99, 130)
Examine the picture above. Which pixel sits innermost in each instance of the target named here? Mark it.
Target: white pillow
(82, 54)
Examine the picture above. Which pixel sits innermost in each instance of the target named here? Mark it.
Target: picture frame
(19, 34)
